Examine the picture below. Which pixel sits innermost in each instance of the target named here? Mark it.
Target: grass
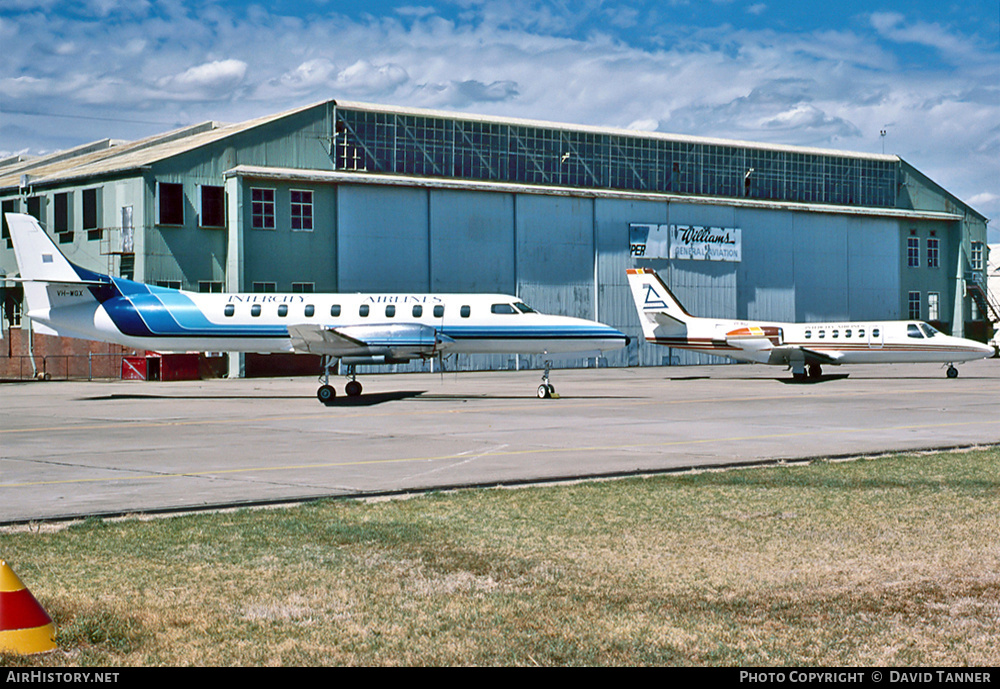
(887, 561)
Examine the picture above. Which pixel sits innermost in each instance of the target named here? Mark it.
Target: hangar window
(265, 287)
(209, 286)
(465, 311)
(262, 209)
(212, 206)
(335, 311)
(170, 203)
(35, 208)
(310, 310)
(933, 306)
(283, 310)
(229, 310)
(303, 287)
(503, 308)
(92, 214)
(6, 207)
(913, 302)
(418, 310)
(439, 311)
(933, 252)
(363, 311)
(255, 310)
(390, 311)
(912, 252)
(976, 256)
(61, 204)
(302, 210)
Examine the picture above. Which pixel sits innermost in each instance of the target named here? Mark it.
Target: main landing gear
(547, 390)
(807, 372)
(326, 392)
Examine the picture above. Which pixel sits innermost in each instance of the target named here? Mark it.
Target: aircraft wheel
(815, 371)
(353, 389)
(326, 393)
(952, 372)
(543, 392)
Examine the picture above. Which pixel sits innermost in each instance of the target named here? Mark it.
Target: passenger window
(465, 311)
(809, 334)
(875, 332)
(255, 310)
(390, 311)
(310, 310)
(439, 311)
(418, 310)
(836, 333)
(503, 308)
(847, 333)
(335, 311)
(363, 311)
(230, 310)
(283, 310)
(822, 334)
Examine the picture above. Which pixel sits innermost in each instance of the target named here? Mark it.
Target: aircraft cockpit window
(913, 331)
(230, 310)
(390, 311)
(335, 311)
(439, 311)
(363, 311)
(524, 308)
(418, 310)
(255, 310)
(283, 310)
(929, 331)
(465, 311)
(503, 308)
(310, 310)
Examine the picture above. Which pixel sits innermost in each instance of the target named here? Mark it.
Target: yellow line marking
(507, 453)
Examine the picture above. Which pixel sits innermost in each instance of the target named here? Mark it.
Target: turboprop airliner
(803, 347)
(353, 329)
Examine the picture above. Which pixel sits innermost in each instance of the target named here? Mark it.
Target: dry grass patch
(874, 562)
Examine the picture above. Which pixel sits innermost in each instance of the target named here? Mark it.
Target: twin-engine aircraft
(353, 329)
(803, 347)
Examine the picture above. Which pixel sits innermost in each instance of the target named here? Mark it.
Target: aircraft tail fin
(50, 280)
(656, 304)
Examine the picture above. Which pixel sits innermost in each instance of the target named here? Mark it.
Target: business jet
(66, 300)
(803, 347)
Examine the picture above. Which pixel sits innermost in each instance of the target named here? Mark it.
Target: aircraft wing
(400, 341)
(788, 353)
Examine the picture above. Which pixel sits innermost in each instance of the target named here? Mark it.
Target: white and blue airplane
(66, 300)
(803, 347)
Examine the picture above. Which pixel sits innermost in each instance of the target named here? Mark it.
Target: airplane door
(875, 337)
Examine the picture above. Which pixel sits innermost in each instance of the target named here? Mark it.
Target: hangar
(343, 197)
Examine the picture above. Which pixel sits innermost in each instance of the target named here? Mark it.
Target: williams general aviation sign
(686, 242)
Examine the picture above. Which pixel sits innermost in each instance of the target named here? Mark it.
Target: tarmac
(102, 448)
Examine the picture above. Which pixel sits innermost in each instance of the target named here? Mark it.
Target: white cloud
(209, 80)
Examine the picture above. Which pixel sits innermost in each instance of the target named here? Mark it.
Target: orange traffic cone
(25, 627)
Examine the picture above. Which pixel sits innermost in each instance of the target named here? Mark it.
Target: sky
(918, 79)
